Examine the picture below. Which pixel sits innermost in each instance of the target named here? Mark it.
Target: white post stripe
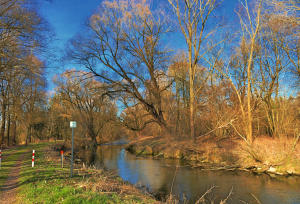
(33, 151)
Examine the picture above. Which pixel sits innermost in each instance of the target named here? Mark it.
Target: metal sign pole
(72, 125)
(72, 157)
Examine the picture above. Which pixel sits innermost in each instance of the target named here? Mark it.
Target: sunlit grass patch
(47, 182)
(9, 158)
(57, 191)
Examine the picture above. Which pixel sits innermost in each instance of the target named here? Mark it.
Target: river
(160, 176)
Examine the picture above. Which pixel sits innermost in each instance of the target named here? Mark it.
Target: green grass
(9, 158)
(57, 192)
(47, 182)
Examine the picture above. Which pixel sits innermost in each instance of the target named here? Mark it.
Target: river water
(160, 176)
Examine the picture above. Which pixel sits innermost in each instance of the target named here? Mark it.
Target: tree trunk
(192, 123)
(91, 132)
(14, 131)
(177, 109)
(2, 131)
(28, 137)
(249, 79)
(94, 144)
(192, 95)
(8, 129)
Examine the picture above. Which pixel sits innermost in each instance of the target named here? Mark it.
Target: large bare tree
(122, 47)
(87, 97)
(193, 17)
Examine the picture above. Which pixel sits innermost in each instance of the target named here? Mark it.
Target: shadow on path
(8, 191)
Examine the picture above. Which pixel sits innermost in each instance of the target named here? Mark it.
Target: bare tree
(178, 70)
(250, 31)
(193, 16)
(20, 36)
(283, 19)
(250, 20)
(88, 97)
(123, 49)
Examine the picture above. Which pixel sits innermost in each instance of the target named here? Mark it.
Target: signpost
(72, 125)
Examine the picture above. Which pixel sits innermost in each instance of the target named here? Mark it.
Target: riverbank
(162, 177)
(269, 156)
(47, 182)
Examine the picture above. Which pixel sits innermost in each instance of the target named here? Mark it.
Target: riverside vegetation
(226, 154)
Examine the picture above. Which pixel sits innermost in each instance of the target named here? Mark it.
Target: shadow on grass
(47, 176)
(44, 170)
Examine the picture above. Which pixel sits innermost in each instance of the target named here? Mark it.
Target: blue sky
(67, 17)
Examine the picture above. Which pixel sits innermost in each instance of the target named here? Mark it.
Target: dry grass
(104, 182)
(265, 152)
(271, 152)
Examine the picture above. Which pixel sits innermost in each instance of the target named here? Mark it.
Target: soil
(8, 191)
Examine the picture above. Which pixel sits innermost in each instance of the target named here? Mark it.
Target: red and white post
(0, 157)
(33, 152)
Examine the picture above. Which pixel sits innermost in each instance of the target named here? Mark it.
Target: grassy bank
(47, 182)
(271, 156)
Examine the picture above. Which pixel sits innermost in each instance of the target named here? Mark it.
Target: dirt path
(8, 191)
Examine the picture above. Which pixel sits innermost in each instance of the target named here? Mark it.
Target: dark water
(158, 176)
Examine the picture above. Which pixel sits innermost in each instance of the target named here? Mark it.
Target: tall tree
(123, 49)
(21, 33)
(193, 16)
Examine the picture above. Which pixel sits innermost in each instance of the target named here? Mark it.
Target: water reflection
(157, 175)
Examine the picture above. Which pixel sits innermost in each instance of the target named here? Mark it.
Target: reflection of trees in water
(162, 192)
(99, 163)
(90, 156)
(106, 156)
(157, 175)
(98, 155)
